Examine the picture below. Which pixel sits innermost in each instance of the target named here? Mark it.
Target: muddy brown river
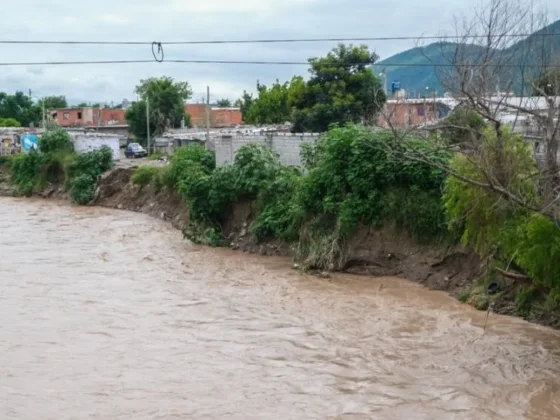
(112, 315)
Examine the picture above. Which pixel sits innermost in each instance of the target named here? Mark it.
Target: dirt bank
(116, 191)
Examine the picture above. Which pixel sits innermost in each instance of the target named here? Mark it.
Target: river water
(112, 315)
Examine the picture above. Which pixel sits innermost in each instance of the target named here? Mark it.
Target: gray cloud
(170, 20)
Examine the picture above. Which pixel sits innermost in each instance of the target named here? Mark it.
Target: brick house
(220, 117)
(88, 117)
(413, 112)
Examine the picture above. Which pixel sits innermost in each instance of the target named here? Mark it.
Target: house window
(54, 115)
(79, 115)
(420, 111)
(66, 116)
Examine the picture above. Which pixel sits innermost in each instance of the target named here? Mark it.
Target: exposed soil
(392, 252)
(116, 191)
(6, 189)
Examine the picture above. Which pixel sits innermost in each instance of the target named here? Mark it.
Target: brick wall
(197, 113)
(219, 117)
(88, 117)
(287, 145)
(226, 117)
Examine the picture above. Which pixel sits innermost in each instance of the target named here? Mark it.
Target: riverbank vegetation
(355, 178)
(55, 163)
(349, 179)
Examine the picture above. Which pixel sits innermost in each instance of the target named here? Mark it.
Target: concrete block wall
(286, 144)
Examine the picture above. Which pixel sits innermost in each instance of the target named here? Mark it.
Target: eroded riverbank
(111, 314)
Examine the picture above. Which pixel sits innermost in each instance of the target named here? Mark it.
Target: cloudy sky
(194, 20)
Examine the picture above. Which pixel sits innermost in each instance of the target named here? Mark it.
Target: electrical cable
(280, 63)
(278, 41)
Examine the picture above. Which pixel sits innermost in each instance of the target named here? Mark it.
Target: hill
(414, 69)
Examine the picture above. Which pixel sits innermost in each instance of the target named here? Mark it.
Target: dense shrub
(352, 179)
(25, 172)
(145, 175)
(56, 163)
(494, 226)
(186, 157)
(55, 141)
(279, 213)
(92, 163)
(6, 161)
(82, 189)
(256, 165)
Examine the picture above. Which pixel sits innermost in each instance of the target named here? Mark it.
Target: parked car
(134, 150)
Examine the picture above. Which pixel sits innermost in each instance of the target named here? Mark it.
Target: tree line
(19, 109)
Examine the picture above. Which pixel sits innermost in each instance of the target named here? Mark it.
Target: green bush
(145, 175)
(278, 212)
(525, 300)
(6, 161)
(92, 163)
(355, 179)
(186, 157)
(82, 189)
(257, 165)
(55, 162)
(352, 179)
(55, 141)
(494, 225)
(25, 172)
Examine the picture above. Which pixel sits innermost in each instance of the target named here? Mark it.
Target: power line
(276, 63)
(278, 41)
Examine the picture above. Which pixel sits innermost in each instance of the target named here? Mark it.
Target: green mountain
(416, 69)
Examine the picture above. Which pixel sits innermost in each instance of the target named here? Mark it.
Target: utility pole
(44, 115)
(435, 106)
(207, 115)
(148, 122)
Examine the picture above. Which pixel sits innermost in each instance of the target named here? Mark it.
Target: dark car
(134, 150)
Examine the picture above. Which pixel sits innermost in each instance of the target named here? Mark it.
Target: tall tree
(548, 83)
(53, 102)
(20, 107)
(137, 121)
(244, 103)
(273, 104)
(342, 89)
(226, 103)
(166, 100)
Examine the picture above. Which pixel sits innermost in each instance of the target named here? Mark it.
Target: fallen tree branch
(512, 275)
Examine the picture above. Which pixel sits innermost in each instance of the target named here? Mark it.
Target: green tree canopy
(463, 126)
(342, 89)
(166, 99)
(20, 107)
(224, 103)
(9, 122)
(137, 122)
(273, 104)
(53, 102)
(244, 103)
(548, 83)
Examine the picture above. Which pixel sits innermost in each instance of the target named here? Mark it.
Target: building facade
(88, 117)
(220, 117)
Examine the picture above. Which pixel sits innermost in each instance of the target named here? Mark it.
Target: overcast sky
(186, 20)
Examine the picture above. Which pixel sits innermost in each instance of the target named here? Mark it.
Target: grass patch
(157, 156)
(145, 175)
